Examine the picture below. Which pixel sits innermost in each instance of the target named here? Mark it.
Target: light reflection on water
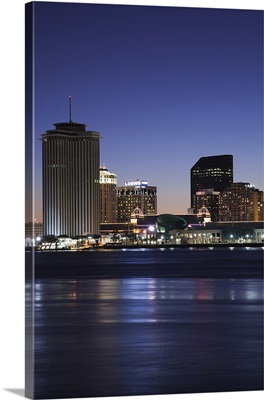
(151, 289)
(99, 318)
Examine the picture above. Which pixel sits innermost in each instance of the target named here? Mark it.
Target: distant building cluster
(214, 195)
(212, 187)
(82, 198)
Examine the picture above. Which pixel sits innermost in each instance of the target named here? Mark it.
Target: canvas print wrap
(144, 200)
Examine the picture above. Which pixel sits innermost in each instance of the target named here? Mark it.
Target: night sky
(163, 85)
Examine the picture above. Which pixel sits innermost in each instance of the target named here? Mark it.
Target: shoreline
(118, 246)
(182, 246)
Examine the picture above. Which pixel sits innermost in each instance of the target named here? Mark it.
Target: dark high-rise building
(210, 199)
(213, 172)
(71, 181)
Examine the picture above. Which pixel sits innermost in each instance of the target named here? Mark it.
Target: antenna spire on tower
(70, 108)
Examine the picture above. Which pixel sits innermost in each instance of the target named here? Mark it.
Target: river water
(134, 322)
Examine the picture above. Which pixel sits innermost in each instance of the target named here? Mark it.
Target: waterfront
(141, 322)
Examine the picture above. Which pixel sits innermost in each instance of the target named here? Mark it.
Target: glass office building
(213, 172)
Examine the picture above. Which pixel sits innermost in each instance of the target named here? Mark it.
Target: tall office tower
(71, 186)
(208, 198)
(136, 195)
(241, 202)
(108, 195)
(213, 172)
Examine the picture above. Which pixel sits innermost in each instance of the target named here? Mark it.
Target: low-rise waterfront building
(240, 232)
(151, 229)
(201, 236)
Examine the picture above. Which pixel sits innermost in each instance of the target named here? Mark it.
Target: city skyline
(160, 98)
(13, 179)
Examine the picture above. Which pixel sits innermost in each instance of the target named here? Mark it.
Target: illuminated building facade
(213, 172)
(204, 215)
(33, 229)
(108, 195)
(71, 187)
(136, 195)
(241, 202)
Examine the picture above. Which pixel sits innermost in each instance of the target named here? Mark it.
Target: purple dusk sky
(163, 85)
